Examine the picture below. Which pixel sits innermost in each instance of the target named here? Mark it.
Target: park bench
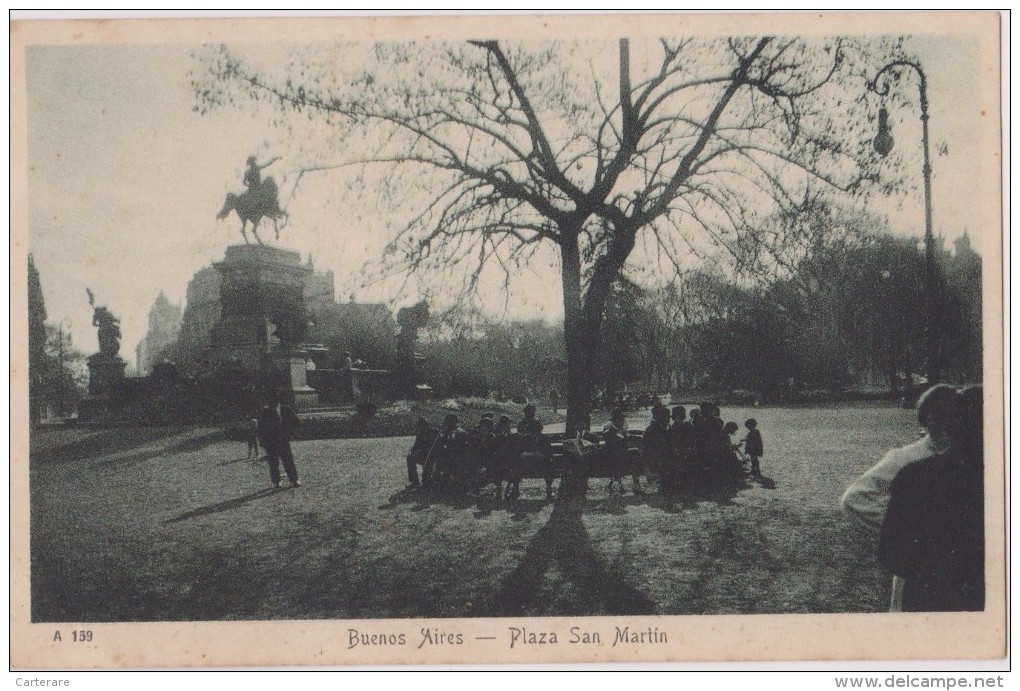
(560, 463)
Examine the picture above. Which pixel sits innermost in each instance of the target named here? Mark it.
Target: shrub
(366, 409)
(819, 396)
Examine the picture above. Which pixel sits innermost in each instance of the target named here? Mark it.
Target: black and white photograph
(529, 339)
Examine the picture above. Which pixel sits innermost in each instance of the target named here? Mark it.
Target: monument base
(292, 366)
(106, 374)
(258, 284)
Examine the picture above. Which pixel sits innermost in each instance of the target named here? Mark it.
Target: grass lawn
(151, 524)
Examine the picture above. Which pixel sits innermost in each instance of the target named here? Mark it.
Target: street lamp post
(883, 144)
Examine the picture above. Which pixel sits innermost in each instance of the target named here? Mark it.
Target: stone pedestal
(292, 366)
(106, 383)
(106, 374)
(258, 283)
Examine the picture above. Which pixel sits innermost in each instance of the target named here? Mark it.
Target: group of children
(698, 450)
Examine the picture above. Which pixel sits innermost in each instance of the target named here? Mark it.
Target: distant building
(164, 327)
(319, 291)
(963, 349)
(964, 253)
(201, 314)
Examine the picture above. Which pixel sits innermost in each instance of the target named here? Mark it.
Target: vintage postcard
(527, 339)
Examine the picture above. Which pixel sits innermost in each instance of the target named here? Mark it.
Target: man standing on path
(276, 425)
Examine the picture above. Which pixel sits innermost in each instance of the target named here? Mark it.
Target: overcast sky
(125, 180)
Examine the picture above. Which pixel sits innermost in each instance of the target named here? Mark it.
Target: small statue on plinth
(108, 328)
(411, 320)
(106, 368)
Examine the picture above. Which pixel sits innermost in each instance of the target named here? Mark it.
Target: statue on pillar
(411, 320)
(108, 328)
(106, 368)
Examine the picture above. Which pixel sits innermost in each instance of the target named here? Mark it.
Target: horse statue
(254, 205)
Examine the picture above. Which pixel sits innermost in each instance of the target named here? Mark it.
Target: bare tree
(591, 149)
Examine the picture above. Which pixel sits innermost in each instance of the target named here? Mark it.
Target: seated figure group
(696, 451)
(454, 459)
(688, 451)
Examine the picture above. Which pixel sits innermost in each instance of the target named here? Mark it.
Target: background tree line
(56, 369)
(847, 315)
(842, 307)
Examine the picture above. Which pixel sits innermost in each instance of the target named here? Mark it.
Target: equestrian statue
(259, 201)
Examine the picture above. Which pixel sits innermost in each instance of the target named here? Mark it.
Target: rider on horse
(260, 200)
(253, 176)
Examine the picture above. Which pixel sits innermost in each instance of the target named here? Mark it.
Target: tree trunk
(581, 342)
(583, 315)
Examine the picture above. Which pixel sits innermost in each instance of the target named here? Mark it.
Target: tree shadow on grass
(422, 501)
(484, 504)
(518, 509)
(223, 505)
(242, 459)
(103, 442)
(563, 543)
(762, 481)
(184, 446)
(686, 497)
